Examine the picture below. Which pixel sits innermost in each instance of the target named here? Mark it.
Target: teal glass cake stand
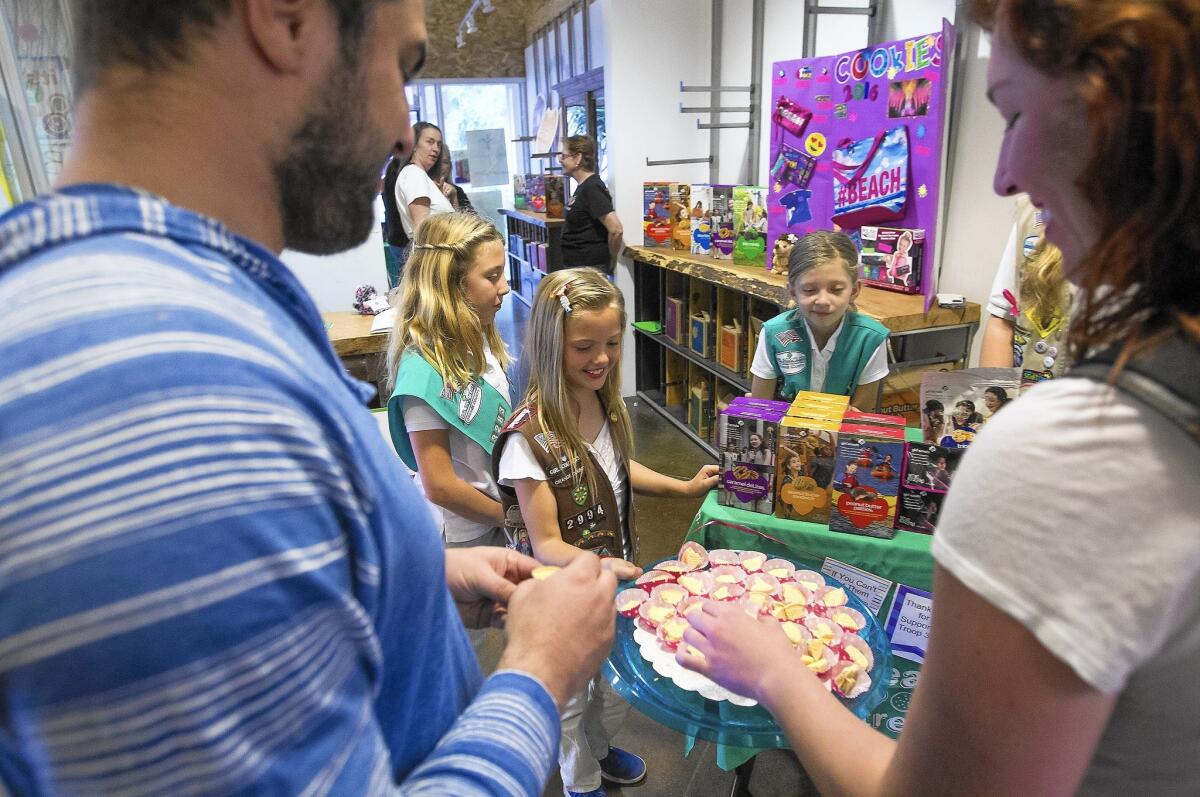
(692, 714)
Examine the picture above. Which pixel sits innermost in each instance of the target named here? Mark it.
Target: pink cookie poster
(857, 140)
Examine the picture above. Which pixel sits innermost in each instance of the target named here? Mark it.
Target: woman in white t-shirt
(417, 195)
(1065, 631)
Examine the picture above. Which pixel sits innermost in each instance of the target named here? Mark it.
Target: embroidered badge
(791, 362)
(540, 439)
(469, 402)
(447, 393)
(580, 494)
(787, 337)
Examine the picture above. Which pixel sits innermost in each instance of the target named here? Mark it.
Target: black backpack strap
(1166, 379)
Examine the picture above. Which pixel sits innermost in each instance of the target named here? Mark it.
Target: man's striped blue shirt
(214, 577)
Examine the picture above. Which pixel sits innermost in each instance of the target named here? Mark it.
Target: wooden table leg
(741, 779)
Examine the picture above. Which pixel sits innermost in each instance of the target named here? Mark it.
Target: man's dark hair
(156, 34)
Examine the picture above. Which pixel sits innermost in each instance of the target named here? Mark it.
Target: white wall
(643, 66)
(977, 222)
(332, 280)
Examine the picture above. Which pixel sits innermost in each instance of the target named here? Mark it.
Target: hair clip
(561, 293)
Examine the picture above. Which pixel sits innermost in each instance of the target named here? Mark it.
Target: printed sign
(908, 622)
(868, 586)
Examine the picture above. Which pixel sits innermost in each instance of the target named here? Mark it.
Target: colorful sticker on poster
(868, 586)
(908, 622)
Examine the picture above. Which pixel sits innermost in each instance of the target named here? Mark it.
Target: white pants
(589, 721)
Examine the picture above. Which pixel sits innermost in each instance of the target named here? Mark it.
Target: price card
(908, 622)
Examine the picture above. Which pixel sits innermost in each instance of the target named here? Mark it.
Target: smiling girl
(565, 470)
(822, 344)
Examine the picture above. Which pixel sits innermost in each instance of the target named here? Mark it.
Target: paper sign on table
(908, 622)
(868, 586)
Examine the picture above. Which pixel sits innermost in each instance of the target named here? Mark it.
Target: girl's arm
(540, 512)
(997, 347)
(762, 388)
(443, 486)
(988, 691)
(645, 481)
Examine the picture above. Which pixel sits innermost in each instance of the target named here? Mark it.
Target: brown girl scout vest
(590, 522)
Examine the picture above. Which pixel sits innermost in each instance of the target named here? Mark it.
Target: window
(458, 107)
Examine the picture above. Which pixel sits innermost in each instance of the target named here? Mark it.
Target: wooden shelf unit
(729, 291)
(525, 229)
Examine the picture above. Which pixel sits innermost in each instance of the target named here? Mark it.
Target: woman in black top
(592, 235)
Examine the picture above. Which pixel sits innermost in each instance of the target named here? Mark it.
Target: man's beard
(327, 178)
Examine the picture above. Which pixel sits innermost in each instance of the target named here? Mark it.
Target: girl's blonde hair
(818, 248)
(584, 290)
(1044, 282)
(434, 316)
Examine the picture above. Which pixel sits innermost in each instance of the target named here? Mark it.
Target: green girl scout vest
(478, 411)
(590, 522)
(791, 353)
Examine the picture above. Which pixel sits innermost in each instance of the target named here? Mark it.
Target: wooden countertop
(531, 217)
(350, 334)
(899, 312)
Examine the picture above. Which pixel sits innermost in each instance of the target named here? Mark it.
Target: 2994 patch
(791, 362)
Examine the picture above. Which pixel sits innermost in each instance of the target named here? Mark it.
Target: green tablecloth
(906, 559)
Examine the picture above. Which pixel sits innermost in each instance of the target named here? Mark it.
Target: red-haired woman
(1064, 646)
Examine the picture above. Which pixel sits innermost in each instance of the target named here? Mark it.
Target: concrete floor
(661, 525)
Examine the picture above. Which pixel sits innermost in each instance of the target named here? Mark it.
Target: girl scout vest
(1039, 345)
(478, 411)
(791, 352)
(590, 522)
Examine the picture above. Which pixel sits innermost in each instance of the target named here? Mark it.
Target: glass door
(36, 119)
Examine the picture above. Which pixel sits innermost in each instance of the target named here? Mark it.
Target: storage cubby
(702, 308)
(701, 391)
(676, 324)
(534, 249)
(731, 330)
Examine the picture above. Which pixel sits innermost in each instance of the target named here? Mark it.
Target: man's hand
(622, 569)
(747, 655)
(560, 629)
(482, 580)
(705, 479)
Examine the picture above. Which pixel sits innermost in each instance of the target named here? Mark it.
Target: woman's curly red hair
(1139, 67)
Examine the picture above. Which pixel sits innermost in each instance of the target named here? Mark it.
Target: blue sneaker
(622, 767)
(593, 793)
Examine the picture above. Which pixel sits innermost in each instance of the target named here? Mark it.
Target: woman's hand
(705, 479)
(747, 655)
(620, 568)
(447, 189)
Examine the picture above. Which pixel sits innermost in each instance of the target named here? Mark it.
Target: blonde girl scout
(1029, 330)
(566, 477)
(448, 366)
(823, 344)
